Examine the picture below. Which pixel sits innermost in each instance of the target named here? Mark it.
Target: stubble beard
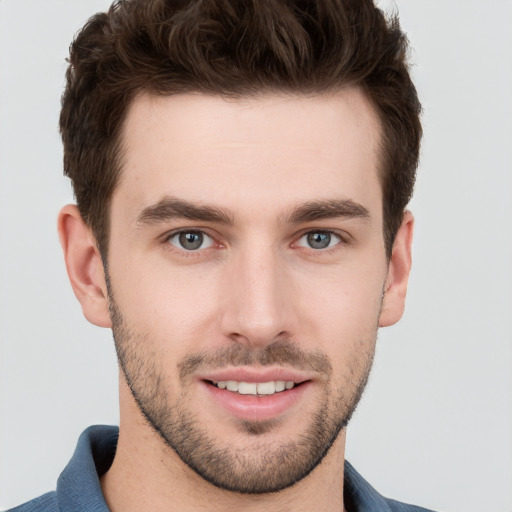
(261, 466)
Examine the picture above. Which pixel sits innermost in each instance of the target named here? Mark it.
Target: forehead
(268, 151)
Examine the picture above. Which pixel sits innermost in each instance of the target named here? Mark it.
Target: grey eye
(191, 240)
(319, 240)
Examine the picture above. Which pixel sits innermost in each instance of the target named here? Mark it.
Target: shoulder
(78, 486)
(360, 496)
(45, 503)
(396, 506)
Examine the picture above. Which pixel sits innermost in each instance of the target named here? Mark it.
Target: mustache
(283, 353)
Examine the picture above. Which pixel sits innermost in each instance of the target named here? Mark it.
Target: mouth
(254, 395)
(255, 388)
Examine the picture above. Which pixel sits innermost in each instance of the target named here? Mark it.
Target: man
(241, 171)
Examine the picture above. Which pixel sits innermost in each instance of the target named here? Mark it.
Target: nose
(257, 299)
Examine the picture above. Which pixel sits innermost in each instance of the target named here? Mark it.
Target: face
(246, 276)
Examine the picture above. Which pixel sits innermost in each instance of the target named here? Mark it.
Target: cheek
(340, 318)
(345, 301)
(170, 307)
(180, 309)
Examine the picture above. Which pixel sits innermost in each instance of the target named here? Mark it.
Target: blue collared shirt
(79, 489)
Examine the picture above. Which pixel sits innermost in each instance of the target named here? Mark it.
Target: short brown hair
(233, 48)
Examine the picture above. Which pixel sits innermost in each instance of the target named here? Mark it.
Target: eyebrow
(170, 208)
(328, 209)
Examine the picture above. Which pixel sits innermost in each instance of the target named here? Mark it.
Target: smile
(257, 395)
(255, 388)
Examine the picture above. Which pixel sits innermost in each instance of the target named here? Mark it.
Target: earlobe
(84, 266)
(399, 268)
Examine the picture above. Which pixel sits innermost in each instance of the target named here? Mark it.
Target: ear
(84, 266)
(399, 268)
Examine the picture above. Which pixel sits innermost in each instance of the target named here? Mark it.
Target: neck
(148, 475)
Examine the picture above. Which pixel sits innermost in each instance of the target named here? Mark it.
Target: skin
(254, 284)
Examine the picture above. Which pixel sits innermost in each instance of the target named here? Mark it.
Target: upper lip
(252, 374)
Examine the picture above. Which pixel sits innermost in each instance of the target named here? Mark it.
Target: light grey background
(435, 426)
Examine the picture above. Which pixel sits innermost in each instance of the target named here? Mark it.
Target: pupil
(191, 241)
(319, 240)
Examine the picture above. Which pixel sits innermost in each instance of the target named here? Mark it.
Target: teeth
(231, 385)
(266, 388)
(247, 388)
(281, 385)
(253, 388)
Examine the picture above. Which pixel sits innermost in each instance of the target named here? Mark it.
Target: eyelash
(329, 233)
(192, 252)
(342, 237)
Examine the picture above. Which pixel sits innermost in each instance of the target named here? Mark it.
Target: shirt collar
(78, 487)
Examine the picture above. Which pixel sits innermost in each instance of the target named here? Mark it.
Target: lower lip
(259, 407)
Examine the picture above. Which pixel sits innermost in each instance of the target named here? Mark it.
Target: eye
(319, 240)
(191, 240)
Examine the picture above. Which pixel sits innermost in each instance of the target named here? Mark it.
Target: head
(233, 49)
(242, 169)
